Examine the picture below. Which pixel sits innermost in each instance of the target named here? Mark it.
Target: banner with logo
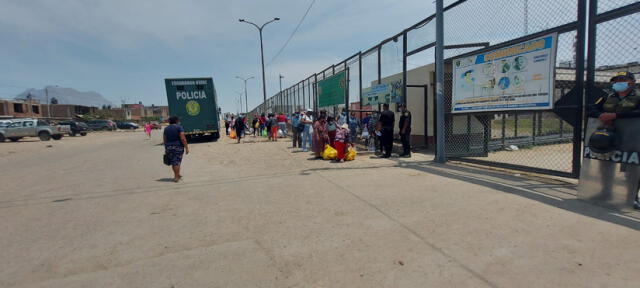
(382, 93)
(517, 77)
(332, 90)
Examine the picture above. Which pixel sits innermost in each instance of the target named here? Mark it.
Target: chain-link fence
(594, 39)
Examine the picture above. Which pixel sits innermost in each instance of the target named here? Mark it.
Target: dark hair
(385, 105)
(174, 119)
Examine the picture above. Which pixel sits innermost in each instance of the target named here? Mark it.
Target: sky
(123, 49)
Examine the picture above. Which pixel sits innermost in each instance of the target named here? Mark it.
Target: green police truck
(194, 100)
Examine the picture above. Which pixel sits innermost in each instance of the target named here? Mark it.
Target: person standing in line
(374, 142)
(297, 127)
(353, 127)
(263, 124)
(147, 129)
(331, 130)
(320, 135)
(273, 121)
(385, 127)
(282, 124)
(342, 118)
(307, 121)
(240, 126)
(268, 126)
(255, 124)
(175, 145)
(405, 130)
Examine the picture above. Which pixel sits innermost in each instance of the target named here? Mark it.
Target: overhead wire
(293, 33)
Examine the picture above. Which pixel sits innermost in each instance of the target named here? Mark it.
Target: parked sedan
(76, 128)
(127, 125)
(106, 125)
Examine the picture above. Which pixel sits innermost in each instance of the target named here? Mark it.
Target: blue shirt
(172, 134)
(295, 121)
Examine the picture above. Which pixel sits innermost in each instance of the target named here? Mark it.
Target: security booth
(612, 177)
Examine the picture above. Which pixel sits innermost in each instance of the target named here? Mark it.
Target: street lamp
(264, 85)
(245, 91)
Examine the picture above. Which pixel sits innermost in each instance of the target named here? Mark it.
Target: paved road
(98, 211)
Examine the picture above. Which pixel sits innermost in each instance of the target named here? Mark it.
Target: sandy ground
(99, 211)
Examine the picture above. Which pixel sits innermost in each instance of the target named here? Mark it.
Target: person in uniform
(385, 126)
(624, 102)
(405, 130)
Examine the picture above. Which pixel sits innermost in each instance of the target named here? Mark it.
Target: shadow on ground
(555, 193)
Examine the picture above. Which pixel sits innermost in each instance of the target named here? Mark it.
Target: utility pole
(264, 85)
(280, 80)
(246, 102)
(46, 95)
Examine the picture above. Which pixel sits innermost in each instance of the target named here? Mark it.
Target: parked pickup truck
(20, 128)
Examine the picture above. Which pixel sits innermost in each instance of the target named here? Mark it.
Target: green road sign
(331, 91)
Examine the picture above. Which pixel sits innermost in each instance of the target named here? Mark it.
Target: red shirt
(263, 120)
(282, 118)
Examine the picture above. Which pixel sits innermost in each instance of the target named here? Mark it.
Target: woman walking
(147, 129)
(320, 136)
(175, 145)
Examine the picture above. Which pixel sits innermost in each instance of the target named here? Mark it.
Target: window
(42, 123)
(27, 124)
(16, 124)
(18, 108)
(35, 109)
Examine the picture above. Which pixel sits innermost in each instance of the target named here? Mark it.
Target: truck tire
(44, 136)
(57, 137)
(83, 133)
(215, 136)
(14, 139)
(2, 138)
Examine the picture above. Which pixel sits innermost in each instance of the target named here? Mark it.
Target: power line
(293, 33)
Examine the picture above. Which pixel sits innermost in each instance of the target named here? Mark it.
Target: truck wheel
(83, 133)
(216, 136)
(44, 136)
(57, 137)
(72, 134)
(14, 139)
(1, 138)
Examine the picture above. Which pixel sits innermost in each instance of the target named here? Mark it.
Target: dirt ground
(100, 211)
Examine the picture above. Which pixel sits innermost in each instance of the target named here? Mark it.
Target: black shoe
(405, 156)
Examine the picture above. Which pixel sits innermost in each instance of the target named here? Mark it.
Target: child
(147, 129)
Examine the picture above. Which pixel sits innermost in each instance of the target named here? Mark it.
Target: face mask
(620, 86)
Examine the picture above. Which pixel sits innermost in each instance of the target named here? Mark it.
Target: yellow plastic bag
(351, 154)
(232, 134)
(329, 153)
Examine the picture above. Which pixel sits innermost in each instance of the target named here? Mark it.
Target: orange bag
(233, 134)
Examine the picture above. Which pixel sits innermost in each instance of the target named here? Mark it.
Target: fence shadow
(554, 193)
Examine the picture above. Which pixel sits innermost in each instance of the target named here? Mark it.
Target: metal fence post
(581, 37)
(440, 149)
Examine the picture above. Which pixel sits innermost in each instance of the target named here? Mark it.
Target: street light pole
(264, 84)
(246, 103)
(286, 102)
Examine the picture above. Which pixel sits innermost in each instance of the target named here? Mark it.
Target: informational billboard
(517, 77)
(382, 93)
(331, 91)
